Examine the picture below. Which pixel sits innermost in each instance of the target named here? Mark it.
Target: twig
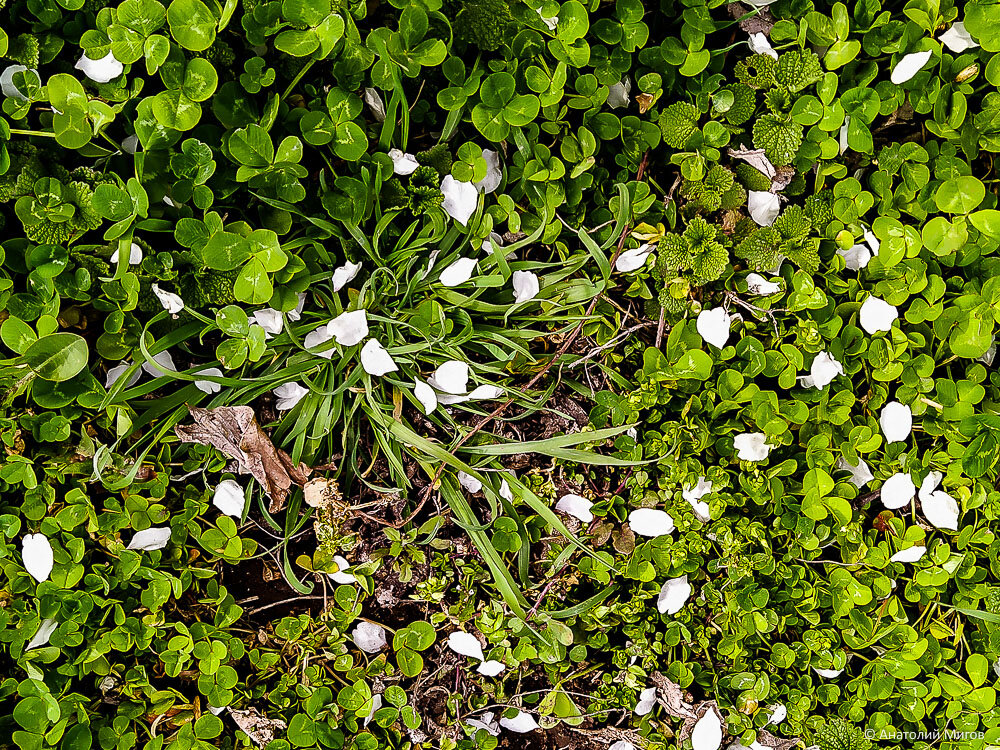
(758, 312)
(283, 601)
(610, 345)
(660, 326)
(534, 609)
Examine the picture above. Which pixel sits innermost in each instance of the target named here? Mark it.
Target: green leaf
(960, 195)
(57, 357)
(192, 24)
(251, 146)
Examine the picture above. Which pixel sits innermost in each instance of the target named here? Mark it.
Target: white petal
(485, 393)
(909, 66)
(315, 339)
(148, 540)
(100, 71)
(872, 241)
(897, 491)
(957, 39)
(344, 275)
(7, 82)
(713, 326)
(349, 328)
(36, 553)
(634, 259)
(375, 104)
(991, 354)
(505, 492)
(209, 386)
(164, 360)
(340, 576)
(451, 377)
(752, 446)
(674, 594)
(861, 473)
(134, 255)
(466, 644)
(622, 745)
(778, 713)
(485, 722)
(763, 207)
(403, 164)
(844, 129)
(494, 173)
(41, 637)
(877, 315)
(551, 21)
(707, 733)
(270, 320)
(760, 44)
(289, 394)
(521, 723)
(525, 286)
(230, 498)
(369, 637)
(171, 302)
(758, 285)
(576, 506)
(941, 509)
(694, 494)
(376, 360)
(114, 373)
(828, 673)
(131, 144)
(460, 199)
(618, 94)
(425, 395)
(491, 668)
(856, 257)
(647, 699)
(376, 705)
(650, 522)
(896, 420)
(297, 312)
(824, 369)
(458, 272)
(909, 555)
(469, 482)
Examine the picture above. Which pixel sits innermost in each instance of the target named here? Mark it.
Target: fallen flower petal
(375, 104)
(856, 257)
(41, 637)
(909, 66)
(209, 386)
(100, 71)
(763, 207)
(494, 173)
(824, 369)
(425, 395)
(469, 482)
(931, 482)
(451, 377)
(36, 554)
(761, 287)
(828, 673)
(674, 594)
(778, 713)
(896, 420)
(316, 339)
(270, 320)
(525, 285)
(458, 272)
(289, 394)
(760, 44)
(165, 362)
(7, 81)
(149, 540)
(376, 360)
(957, 39)
(376, 705)
(466, 644)
(618, 94)
(897, 491)
(634, 259)
(115, 373)
(171, 302)
(369, 637)
(134, 255)
(941, 509)
(576, 506)
(909, 555)
(713, 326)
(349, 328)
(650, 522)
(486, 722)
(230, 498)
(861, 473)
(344, 275)
(707, 733)
(752, 446)
(647, 699)
(491, 668)
(340, 576)
(403, 163)
(521, 723)
(877, 315)
(460, 199)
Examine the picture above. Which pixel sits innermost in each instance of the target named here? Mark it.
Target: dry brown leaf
(782, 177)
(254, 724)
(755, 158)
(759, 23)
(234, 431)
(767, 739)
(671, 697)
(645, 101)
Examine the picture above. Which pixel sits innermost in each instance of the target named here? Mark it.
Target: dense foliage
(477, 373)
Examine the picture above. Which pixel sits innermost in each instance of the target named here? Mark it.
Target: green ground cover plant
(467, 374)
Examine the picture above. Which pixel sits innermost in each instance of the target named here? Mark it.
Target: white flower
(270, 320)
(650, 522)
(171, 302)
(289, 394)
(466, 644)
(375, 104)
(209, 386)
(713, 326)
(344, 275)
(707, 733)
(758, 285)
(897, 491)
(340, 576)
(486, 722)
(521, 723)
(451, 377)
(376, 360)
(494, 173)
(909, 66)
(763, 207)
(41, 637)
(551, 21)
(634, 259)
(36, 553)
(828, 673)
(491, 668)
(316, 338)
(824, 369)
(402, 163)
(376, 705)
(349, 328)
(576, 506)
(148, 540)
(941, 509)
(134, 255)
(164, 360)
(425, 395)
(909, 555)
(469, 482)
(100, 71)
(460, 199)
(7, 81)
(957, 39)
(458, 272)
(896, 420)
(856, 257)
(752, 446)
(674, 594)
(114, 373)
(778, 714)
(877, 315)
(861, 473)
(369, 637)
(618, 93)
(525, 285)
(647, 699)
(759, 43)
(230, 498)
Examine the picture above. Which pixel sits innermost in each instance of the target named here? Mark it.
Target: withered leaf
(767, 739)
(756, 158)
(760, 22)
(234, 431)
(254, 724)
(782, 178)
(671, 696)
